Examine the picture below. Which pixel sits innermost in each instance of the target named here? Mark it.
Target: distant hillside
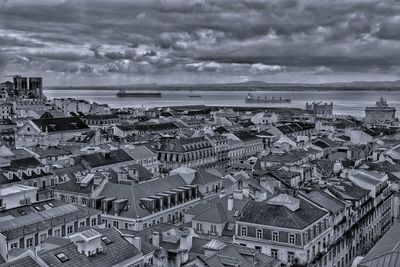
(249, 85)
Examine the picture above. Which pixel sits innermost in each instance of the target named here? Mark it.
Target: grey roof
(204, 177)
(27, 219)
(136, 191)
(326, 201)
(114, 253)
(21, 262)
(236, 255)
(216, 210)
(385, 253)
(60, 124)
(104, 159)
(280, 216)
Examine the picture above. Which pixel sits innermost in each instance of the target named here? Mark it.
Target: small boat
(263, 99)
(194, 95)
(123, 93)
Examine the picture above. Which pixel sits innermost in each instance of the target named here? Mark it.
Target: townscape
(84, 184)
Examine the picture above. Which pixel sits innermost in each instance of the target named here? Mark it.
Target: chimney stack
(230, 203)
(155, 239)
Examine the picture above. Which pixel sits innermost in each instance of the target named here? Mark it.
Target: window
(213, 229)
(292, 239)
(62, 257)
(199, 227)
(274, 253)
(69, 229)
(84, 201)
(243, 231)
(73, 199)
(161, 219)
(275, 236)
(169, 217)
(145, 225)
(57, 233)
(106, 240)
(258, 248)
(259, 233)
(29, 242)
(93, 221)
(116, 224)
(82, 223)
(290, 257)
(42, 238)
(14, 245)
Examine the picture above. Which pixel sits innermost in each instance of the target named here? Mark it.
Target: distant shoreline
(222, 88)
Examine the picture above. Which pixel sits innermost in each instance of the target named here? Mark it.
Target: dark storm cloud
(247, 38)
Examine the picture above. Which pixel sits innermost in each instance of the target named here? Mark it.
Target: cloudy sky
(93, 42)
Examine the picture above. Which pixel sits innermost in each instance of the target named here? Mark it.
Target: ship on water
(264, 99)
(124, 93)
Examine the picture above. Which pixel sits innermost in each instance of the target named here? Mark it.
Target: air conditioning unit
(99, 249)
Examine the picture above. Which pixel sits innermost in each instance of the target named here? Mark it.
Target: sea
(344, 102)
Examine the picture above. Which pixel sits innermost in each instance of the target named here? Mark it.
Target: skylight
(231, 226)
(106, 240)
(62, 257)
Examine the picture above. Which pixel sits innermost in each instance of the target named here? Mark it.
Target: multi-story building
(236, 151)
(320, 109)
(252, 143)
(88, 247)
(139, 206)
(27, 171)
(101, 121)
(6, 110)
(49, 131)
(382, 113)
(144, 157)
(188, 152)
(291, 229)
(221, 147)
(7, 132)
(27, 223)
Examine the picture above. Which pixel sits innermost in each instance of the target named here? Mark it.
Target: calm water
(349, 102)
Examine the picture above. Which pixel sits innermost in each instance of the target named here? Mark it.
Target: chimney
(155, 239)
(230, 203)
(137, 242)
(237, 194)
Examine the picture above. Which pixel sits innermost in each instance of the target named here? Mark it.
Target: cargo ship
(263, 99)
(123, 93)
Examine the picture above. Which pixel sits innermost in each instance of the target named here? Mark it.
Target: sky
(98, 42)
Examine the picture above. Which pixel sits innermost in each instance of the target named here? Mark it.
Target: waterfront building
(380, 114)
(320, 109)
